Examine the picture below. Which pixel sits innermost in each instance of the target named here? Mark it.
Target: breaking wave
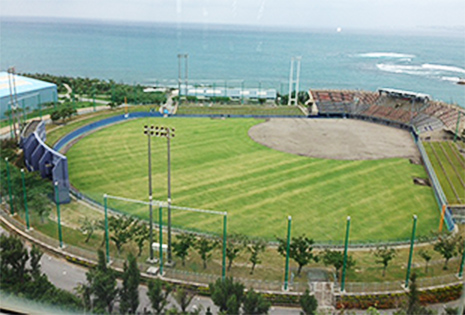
(385, 55)
(426, 69)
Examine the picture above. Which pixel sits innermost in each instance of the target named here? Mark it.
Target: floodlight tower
(168, 133)
(294, 80)
(149, 132)
(182, 73)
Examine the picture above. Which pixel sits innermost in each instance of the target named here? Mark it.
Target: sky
(350, 14)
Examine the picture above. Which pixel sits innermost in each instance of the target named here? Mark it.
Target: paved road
(68, 276)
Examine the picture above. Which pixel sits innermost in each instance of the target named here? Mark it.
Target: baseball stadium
(374, 161)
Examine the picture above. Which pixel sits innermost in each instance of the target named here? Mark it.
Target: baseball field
(224, 165)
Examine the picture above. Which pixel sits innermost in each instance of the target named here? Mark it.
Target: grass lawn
(239, 110)
(449, 167)
(215, 165)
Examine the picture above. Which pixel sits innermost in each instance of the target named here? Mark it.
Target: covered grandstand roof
(23, 85)
(405, 94)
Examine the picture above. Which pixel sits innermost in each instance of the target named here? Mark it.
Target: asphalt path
(68, 276)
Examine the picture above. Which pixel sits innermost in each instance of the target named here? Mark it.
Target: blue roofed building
(27, 93)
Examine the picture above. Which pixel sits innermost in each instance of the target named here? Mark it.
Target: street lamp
(168, 133)
(149, 131)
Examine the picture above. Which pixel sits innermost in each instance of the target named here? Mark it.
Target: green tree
(120, 230)
(88, 227)
(426, 255)
(12, 263)
(300, 250)
(234, 246)
(384, 255)
(204, 247)
(255, 304)
(413, 304)
(182, 245)
(16, 278)
(140, 234)
(158, 298)
(184, 298)
(336, 259)
(446, 245)
(227, 295)
(129, 295)
(255, 248)
(308, 303)
(102, 282)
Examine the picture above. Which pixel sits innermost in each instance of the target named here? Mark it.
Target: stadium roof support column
(294, 82)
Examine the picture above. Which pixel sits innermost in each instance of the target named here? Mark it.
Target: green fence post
(107, 241)
(462, 262)
(223, 272)
(344, 266)
(286, 271)
(10, 194)
(161, 238)
(57, 200)
(25, 199)
(412, 241)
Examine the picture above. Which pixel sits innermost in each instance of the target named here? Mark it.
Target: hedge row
(389, 301)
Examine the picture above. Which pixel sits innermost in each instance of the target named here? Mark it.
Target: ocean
(230, 55)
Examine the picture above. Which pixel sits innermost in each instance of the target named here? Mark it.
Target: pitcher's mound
(338, 139)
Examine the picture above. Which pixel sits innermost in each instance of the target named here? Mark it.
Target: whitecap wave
(426, 69)
(443, 68)
(451, 79)
(385, 55)
(408, 69)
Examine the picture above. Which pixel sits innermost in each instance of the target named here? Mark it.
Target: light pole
(107, 242)
(412, 241)
(149, 131)
(12, 210)
(286, 271)
(25, 200)
(344, 266)
(57, 200)
(168, 133)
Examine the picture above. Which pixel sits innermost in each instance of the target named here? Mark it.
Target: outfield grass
(256, 110)
(448, 165)
(215, 165)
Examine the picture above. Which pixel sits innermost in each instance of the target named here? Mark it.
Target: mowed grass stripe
(449, 167)
(450, 173)
(445, 184)
(216, 165)
(459, 168)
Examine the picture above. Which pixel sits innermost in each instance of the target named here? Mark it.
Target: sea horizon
(424, 60)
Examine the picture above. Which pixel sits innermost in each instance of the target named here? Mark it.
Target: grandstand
(397, 108)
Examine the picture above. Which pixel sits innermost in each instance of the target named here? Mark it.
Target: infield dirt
(337, 139)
